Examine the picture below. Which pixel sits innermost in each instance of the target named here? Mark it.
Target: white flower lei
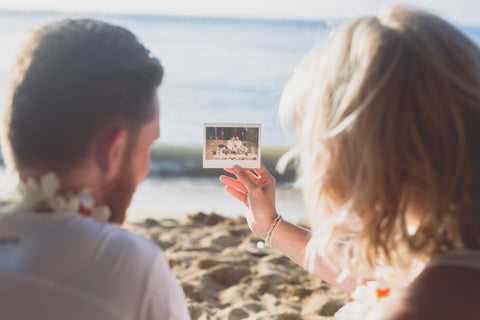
(367, 303)
(369, 300)
(18, 196)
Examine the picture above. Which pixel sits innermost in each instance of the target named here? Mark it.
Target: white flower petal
(86, 199)
(10, 183)
(101, 213)
(60, 203)
(49, 184)
(352, 311)
(31, 184)
(72, 204)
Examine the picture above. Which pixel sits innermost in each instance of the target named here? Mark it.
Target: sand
(226, 276)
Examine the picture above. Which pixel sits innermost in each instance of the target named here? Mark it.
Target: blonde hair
(387, 118)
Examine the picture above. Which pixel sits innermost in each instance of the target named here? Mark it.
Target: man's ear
(109, 150)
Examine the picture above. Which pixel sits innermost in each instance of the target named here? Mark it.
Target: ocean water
(216, 70)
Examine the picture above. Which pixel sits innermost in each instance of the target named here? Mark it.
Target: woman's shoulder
(448, 288)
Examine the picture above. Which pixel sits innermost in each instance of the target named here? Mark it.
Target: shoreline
(225, 274)
(177, 197)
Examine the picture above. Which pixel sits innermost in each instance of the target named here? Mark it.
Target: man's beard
(119, 192)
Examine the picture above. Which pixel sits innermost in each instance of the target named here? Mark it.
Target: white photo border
(250, 164)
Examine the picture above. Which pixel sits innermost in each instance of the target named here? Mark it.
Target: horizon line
(326, 21)
(173, 15)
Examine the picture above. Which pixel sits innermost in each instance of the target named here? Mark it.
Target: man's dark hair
(71, 79)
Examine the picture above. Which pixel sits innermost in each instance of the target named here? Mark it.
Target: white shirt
(66, 266)
(238, 144)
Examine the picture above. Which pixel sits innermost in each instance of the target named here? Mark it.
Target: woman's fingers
(233, 183)
(229, 170)
(262, 171)
(252, 175)
(237, 194)
(245, 177)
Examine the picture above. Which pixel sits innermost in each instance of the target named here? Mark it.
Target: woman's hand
(256, 189)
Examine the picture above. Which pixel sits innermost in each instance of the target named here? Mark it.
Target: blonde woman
(387, 122)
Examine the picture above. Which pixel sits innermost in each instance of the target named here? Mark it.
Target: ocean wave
(168, 160)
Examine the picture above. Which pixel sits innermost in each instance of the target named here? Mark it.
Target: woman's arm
(291, 240)
(257, 192)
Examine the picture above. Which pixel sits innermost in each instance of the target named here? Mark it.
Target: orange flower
(383, 292)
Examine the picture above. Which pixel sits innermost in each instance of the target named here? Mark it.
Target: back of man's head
(70, 80)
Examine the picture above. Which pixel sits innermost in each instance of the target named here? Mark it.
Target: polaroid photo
(228, 144)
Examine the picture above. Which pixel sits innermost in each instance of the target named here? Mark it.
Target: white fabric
(230, 145)
(66, 266)
(238, 144)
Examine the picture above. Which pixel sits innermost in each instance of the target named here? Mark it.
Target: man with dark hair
(81, 114)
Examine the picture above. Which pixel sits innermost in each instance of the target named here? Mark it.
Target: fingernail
(237, 169)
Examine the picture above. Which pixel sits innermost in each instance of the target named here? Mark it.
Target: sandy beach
(225, 274)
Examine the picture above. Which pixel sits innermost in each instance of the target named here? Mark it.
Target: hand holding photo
(228, 144)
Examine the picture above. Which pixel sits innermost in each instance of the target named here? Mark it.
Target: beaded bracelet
(272, 229)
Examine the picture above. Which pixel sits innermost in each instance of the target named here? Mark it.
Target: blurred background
(225, 61)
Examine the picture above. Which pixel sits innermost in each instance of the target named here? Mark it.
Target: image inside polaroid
(228, 145)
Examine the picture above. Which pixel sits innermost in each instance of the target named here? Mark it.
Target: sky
(458, 11)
